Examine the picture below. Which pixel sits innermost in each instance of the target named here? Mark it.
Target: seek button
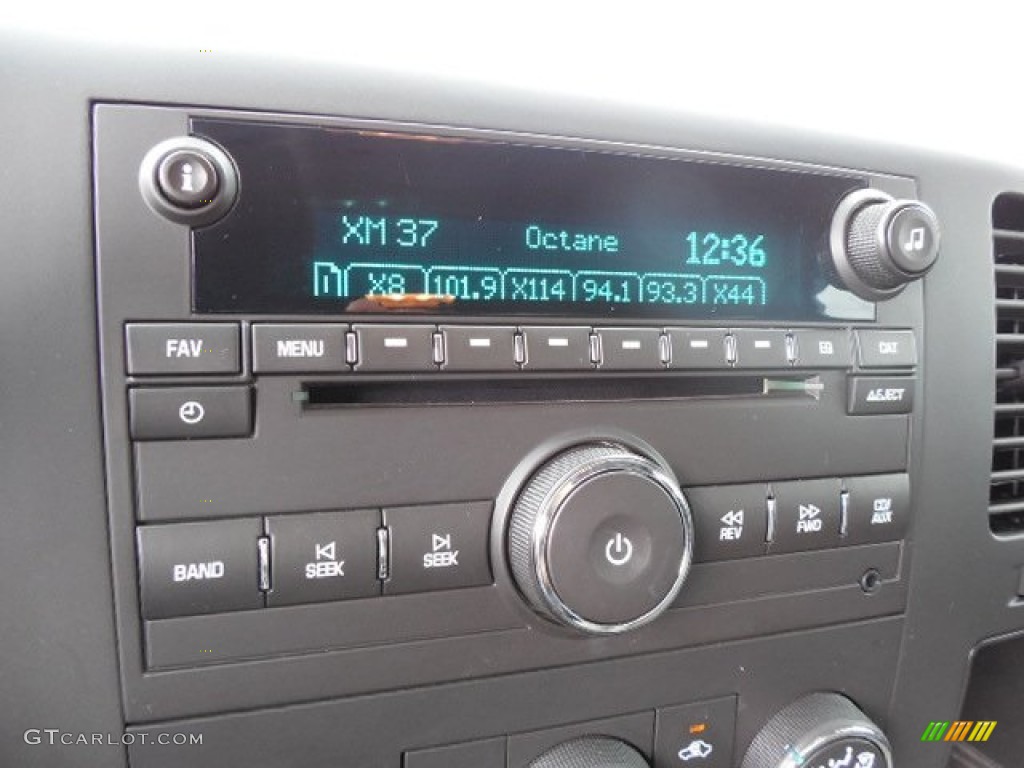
(438, 547)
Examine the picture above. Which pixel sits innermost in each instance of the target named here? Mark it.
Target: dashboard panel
(350, 428)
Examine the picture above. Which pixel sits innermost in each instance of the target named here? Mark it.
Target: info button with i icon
(188, 178)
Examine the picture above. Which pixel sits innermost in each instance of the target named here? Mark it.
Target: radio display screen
(337, 221)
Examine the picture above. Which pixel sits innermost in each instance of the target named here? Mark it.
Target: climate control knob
(822, 730)
(600, 539)
(879, 244)
(591, 752)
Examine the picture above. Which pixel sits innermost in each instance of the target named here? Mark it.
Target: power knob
(591, 752)
(600, 539)
(879, 244)
(822, 730)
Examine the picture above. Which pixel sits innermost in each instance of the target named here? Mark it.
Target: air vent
(1006, 495)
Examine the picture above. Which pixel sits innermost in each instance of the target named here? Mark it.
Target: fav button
(192, 568)
(806, 516)
(183, 413)
(324, 556)
(182, 348)
(438, 547)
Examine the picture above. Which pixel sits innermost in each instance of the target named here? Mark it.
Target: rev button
(730, 520)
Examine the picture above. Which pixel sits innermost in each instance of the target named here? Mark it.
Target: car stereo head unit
(368, 385)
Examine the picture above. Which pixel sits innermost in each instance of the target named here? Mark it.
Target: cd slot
(330, 394)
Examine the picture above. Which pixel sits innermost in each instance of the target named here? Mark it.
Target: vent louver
(1006, 494)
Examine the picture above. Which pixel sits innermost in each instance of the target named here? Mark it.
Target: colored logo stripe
(960, 730)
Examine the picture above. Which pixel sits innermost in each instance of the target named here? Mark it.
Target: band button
(193, 568)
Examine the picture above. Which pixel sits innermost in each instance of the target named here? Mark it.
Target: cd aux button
(630, 349)
(730, 521)
(298, 347)
(557, 348)
(395, 348)
(878, 508)
(479, 348)
(699, 348)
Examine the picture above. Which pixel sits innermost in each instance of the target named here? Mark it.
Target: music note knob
(880, 244)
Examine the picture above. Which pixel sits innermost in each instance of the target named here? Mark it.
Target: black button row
(734, 521)
(700, 734)
(228, 565)
(214, 348)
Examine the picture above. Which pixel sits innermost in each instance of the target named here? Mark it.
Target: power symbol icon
(619, 550)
